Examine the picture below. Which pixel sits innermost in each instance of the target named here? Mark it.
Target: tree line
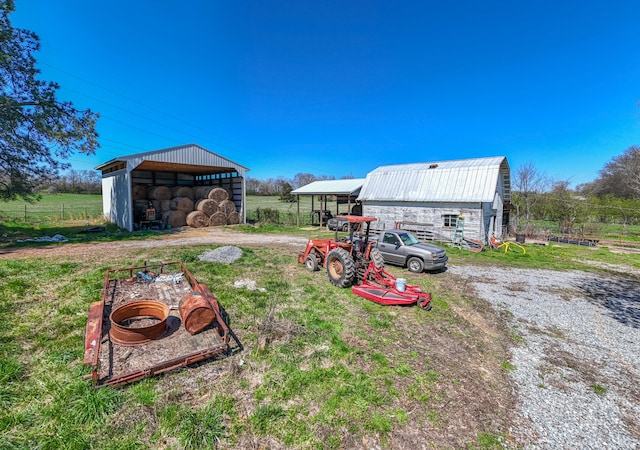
(282, 186)
(612, 198)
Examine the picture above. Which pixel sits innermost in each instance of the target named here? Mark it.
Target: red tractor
(354, 261)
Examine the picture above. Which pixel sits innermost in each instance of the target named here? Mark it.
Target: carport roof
(350, 186)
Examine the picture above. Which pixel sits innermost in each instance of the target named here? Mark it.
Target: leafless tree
(528, 186)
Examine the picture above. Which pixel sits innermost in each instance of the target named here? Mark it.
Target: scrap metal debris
(54, 238)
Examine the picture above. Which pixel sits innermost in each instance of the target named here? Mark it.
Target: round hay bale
(182, 191)
(182, 204)
(197, 219)
(138, 192)
(207, 206)
(175, 218)
(227, 207)
(159, 193)
(202, 191)
(217, 219)
(165, 205)
(233, 218)
(218, 194)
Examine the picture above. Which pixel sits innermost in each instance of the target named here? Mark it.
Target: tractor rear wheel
(340, 267)
(377, 258)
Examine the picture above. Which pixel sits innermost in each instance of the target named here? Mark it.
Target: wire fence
(39, 213)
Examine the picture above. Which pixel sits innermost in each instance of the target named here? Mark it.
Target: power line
(146, 106)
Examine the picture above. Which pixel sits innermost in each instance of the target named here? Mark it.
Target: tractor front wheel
(311, 262)
(377, 258)
(340, 267)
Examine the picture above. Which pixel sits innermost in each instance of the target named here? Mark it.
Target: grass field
(53, 208)
(320, 368)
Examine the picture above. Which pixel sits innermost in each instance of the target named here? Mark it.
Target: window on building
(449, 220)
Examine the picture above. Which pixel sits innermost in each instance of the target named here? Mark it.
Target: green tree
(285, 193)
(37, 131)
(566, 207)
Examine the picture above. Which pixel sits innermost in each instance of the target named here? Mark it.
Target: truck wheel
(415, 265)
(340, 267)
(377, 258)
(311, 262)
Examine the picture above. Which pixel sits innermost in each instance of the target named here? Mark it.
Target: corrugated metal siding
(330, 187)
(186, 154)
(470, 180)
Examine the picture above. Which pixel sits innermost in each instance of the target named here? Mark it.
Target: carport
(345, 192)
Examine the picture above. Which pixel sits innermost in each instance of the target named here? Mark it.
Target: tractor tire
(311, 262)
(377, 258)
(415, 264)
(340, 267)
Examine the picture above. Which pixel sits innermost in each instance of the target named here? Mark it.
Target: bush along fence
(35, 214)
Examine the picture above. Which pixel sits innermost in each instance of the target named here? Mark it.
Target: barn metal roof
(190, 158)
(463, 180)
(331, 187)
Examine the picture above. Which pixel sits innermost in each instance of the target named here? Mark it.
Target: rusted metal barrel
(196, 312)
(124, 329)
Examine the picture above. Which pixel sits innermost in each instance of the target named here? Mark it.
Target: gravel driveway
(577, 369)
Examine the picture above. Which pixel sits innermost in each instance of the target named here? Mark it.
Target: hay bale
(182, 191)
(233, 218)
(175, 218)
(227, 207)
(217, 219)
(197, 219)
(138, 192)
(159, 193)
(165, 205)
(207, 206)
(182, 204)
(218, 194)
(202, 191)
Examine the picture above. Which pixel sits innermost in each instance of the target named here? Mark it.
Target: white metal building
(429, 197)
(186, 165)
(344, 191)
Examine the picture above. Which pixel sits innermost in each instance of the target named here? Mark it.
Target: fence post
(25, 212)
(62, 213)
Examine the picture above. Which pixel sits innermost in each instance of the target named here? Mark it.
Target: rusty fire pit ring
(125, 335)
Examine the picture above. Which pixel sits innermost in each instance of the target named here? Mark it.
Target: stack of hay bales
(197, 207)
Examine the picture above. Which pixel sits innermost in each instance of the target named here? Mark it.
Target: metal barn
(429, 198)
(186, 166)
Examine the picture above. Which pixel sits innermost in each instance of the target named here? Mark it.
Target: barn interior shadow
(620, 297)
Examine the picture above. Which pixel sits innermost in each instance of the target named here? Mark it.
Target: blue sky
(339, 88)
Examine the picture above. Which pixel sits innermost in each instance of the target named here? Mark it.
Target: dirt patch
(184, 236)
